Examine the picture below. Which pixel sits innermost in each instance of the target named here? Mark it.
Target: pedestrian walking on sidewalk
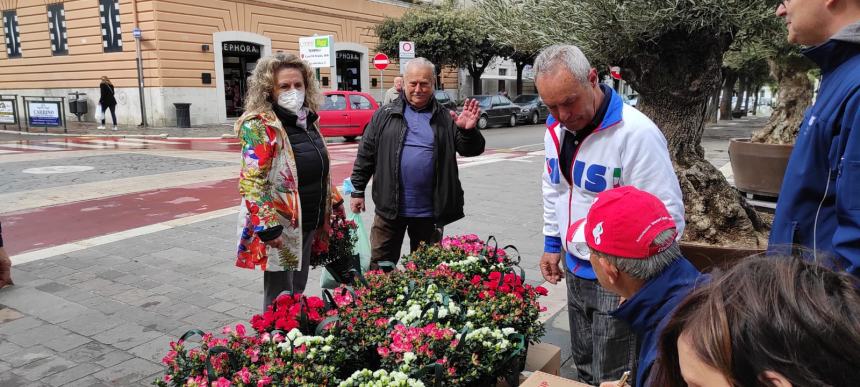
(107, 101)
(5, 265)
(285, 182)
(594, 142)
(410, 149)
(819, 202)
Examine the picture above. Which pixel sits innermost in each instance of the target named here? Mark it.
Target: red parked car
(346, 113)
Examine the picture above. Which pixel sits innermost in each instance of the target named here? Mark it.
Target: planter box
(544, 358)
(704, 257)
(758, 168)
(542, 379)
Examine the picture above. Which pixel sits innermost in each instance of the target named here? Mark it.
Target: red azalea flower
(476, 280)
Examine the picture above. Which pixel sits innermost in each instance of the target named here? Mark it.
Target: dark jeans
(602, 346)
(112, 113)
(275, 282)
(386, 237)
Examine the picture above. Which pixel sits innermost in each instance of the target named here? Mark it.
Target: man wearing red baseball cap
(629, 238)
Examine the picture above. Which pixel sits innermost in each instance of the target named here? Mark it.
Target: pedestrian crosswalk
(341, 153)
(136, 144)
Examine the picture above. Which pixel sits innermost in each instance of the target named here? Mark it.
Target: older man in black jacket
(410, 149)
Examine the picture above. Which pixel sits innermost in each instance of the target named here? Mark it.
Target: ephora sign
(240, 48)
(44, 113)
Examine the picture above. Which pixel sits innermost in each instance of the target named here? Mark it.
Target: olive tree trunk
(794, 95)
(729, 80)
(739, 101)
(714, 106)
(757, 90)
(716, 213)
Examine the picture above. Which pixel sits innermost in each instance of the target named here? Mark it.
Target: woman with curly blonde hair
(287, 195)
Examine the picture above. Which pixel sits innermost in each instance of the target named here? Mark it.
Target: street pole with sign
(137, 36)
(380, 61)
(405, 52)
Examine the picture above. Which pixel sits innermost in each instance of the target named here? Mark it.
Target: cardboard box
(543, 379)
(542, 357)
(545, 358)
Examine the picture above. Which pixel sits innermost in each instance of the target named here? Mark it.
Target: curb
(162, 135)
(116, 135)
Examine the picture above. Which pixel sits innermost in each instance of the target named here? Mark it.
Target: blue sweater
(648, 311)
(819, 203)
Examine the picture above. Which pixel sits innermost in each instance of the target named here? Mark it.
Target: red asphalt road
(56, 225)
(67, 143)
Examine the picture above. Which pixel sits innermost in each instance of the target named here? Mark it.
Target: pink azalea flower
(221, 382)
(245, 375)
(240, 330)
(383, 351)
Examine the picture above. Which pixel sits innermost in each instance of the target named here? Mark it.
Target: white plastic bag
(100, 114)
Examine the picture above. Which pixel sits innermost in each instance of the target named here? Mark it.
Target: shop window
(57, 23)
(12, 34)
(111, 31)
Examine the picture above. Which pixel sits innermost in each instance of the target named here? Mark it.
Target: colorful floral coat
(269, 187)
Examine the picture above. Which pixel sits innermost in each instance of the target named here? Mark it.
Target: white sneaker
(115, 128)
(101, 127)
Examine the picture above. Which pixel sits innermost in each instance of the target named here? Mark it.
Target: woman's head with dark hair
(768, 321)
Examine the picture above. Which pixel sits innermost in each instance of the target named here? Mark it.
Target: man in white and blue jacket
(819, 203)
(597, 143)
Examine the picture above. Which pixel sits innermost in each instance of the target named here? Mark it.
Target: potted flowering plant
(291, 311)
(261, 360)
(429, 322)
(366, 377)
(503, 300)
(339, 258)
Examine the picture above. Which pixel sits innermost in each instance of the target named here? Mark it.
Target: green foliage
(444, 35)
(639, 35)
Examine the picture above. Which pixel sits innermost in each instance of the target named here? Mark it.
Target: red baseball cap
(622, 222)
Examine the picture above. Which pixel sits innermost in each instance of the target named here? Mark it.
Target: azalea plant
(454, 315)
(289, 312)
(367, 378)
(267, 359)
(342, 238)
(470, 244)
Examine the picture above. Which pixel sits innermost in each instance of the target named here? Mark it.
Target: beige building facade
(192, 51)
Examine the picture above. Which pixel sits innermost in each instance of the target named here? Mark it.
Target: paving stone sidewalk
(104, 316)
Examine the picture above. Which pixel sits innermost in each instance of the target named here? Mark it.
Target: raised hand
(468, 118)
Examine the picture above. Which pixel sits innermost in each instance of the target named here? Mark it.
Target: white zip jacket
(626, 149)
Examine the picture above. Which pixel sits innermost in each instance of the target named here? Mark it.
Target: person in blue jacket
(629, 237)
(819, 202)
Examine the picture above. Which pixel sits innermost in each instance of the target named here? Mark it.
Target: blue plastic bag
(362, 246)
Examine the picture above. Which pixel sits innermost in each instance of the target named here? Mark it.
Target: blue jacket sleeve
(551, 244)
(846, 239)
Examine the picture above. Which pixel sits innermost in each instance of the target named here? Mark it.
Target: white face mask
(292, 100)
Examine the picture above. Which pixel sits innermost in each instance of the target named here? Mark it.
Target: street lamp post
(137, 35)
